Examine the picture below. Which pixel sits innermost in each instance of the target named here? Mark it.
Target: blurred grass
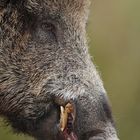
(114, 32)
(6, 133)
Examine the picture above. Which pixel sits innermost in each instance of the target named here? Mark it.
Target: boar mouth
(57, 124)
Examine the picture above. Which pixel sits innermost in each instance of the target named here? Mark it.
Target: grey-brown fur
(44, 63)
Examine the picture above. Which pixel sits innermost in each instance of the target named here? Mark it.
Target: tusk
(64, 115)
(63, 118)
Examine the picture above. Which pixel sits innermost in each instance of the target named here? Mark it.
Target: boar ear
(3, 3)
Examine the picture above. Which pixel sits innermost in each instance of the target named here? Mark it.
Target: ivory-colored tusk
(63, 118)
(64, 115)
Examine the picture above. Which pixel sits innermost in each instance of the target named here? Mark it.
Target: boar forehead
(58, 5)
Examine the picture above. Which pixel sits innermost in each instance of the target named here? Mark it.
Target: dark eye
(46, 32)
(50, 29)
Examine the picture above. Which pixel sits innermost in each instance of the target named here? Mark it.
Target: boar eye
(48, 27)
(48, 31)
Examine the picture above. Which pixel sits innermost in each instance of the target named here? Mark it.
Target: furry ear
(3, 3)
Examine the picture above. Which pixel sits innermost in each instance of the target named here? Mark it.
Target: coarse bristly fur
(44, 63)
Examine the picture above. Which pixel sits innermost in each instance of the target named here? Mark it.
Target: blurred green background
(114, 40)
